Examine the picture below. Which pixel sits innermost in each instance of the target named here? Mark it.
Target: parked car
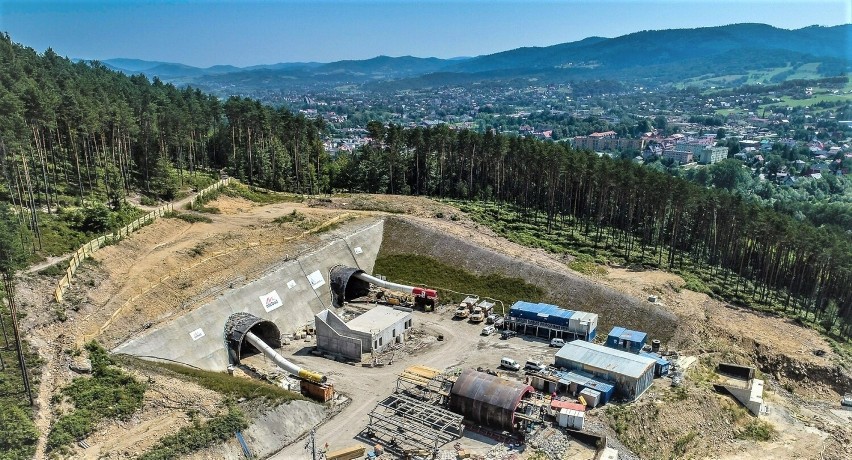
(510, 364)
(499, 322)
(535, 366)
(488, 330)
(847, 400)
(557, 342)
(505, 334)
(490, 319)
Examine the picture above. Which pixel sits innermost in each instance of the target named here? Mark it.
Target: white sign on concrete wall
(358, 250)
(196, 334)
(291, 284)
(316, 279)
(271, 301)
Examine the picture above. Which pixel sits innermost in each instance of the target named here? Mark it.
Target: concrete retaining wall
(197, 338)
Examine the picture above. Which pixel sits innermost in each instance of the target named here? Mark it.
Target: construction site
(624, 365)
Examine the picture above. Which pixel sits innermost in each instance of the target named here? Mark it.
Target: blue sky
(204, 33)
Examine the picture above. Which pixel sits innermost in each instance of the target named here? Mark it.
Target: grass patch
(146, 200)
(109, 393)
(680, 445)
(453, 283)
(232, 386)
(207, 209)
(59, 236)
(367, 203)
(737, 412)
(586, 265)
(187, 217)
(620, 418)
(694, 284)
(198, 204)
(756, 430)
(258, 195)
(18, 433)
(677, 394)
(57, 269)
(299, 219)
(198, 436)
(199, 249)
(69, 228)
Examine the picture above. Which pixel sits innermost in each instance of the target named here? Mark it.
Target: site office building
(372, 331)
(550, 321)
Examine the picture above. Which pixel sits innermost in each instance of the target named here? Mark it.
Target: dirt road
(462, 347)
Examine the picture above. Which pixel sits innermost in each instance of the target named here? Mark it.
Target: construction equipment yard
(411, 376)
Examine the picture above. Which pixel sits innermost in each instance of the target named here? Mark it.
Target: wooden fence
(93, 246)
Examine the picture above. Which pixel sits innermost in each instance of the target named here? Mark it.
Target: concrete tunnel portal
(349, 283)
(236, 328)
(246, 335)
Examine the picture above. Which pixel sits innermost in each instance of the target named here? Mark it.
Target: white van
(557, 342)
(533, 365)
(510, 364)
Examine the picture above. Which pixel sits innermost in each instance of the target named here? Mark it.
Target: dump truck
(462, 312)
(466, 306)
(481, 310)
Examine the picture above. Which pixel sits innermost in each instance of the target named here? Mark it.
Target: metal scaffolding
(403, 423)
(425, 384)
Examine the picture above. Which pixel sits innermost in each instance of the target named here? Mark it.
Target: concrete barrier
(289, 296)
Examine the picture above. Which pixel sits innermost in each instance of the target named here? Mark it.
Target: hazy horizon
(206, 33)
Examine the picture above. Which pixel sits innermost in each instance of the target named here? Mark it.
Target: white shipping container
(591, 396)
(577, 420)
(570, 418)
(562, 419)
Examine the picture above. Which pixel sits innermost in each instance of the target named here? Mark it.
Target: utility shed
(625, 339)
(632, 374)
(487, 399)
(551, 321)
(661, 369)
(373, 330)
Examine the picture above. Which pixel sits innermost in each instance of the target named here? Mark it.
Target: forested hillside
(74, 135)
(565, 200)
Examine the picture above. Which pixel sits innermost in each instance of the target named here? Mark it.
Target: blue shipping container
(586, 381)
(661, 365)
(620, 338)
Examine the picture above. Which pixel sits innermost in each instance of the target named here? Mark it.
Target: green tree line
(651, 217)
(77, 134)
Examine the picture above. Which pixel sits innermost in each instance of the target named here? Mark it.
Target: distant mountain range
(738, 53)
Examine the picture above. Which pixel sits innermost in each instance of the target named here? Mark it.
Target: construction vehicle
(390, 298)
(481, 310)
(462, 312)
(466, 306)
(423, 297)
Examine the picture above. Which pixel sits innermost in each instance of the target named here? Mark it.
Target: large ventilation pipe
(264, 336)
(283, 363)
(349, 283)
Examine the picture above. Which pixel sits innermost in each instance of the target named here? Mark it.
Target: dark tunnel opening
(241, 323)
(344, 286)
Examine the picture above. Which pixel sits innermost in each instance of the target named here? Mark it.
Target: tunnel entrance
(236, 328)
(344, 286)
